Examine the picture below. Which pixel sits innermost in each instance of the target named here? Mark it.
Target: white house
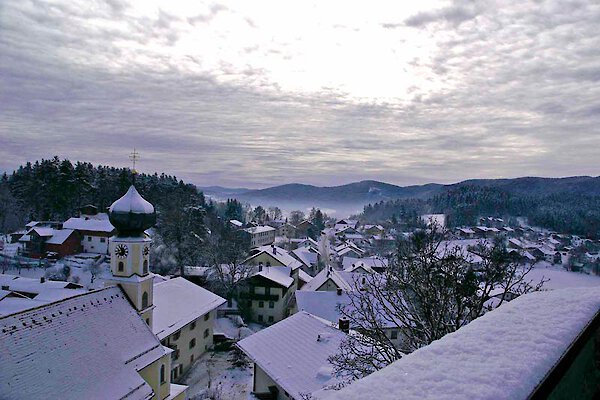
(95, 230)
(290, 357)
(184, 319)
(261, 235)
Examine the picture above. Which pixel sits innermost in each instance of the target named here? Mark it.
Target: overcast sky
(258, 93)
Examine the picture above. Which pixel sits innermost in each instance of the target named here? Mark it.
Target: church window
(145, 267)
(144, 300)
(192, 343)
(121, 266)
(162, 374)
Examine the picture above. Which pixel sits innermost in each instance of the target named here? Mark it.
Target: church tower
(129, 250)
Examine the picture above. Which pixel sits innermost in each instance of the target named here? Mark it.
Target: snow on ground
(231, 382)
(560, 278)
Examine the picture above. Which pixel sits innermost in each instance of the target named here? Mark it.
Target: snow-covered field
(560, 278)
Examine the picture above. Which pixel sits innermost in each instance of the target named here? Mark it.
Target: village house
(306, 229)
(184, 320)
(18, 293)
(95, 231)
(269, 292)
(329, 305)
(48, 242)
(260, 235)
(302, 340)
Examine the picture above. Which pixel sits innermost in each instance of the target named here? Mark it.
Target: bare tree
(430, 289)
(225, 251)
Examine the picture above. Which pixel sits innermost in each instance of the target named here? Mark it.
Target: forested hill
(54, 189)
(572, 210)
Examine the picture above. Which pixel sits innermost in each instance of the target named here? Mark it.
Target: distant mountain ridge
(353, 196)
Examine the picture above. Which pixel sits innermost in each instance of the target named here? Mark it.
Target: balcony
(255, 296)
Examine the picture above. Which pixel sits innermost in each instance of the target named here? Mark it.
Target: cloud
(242, 99)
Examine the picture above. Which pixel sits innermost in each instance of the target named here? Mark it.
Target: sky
(261, 93)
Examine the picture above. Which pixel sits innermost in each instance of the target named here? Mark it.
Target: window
(102, 240)
(89, 238)
(162, 374)
(176, 335)
(121, 266)
(270, 318)
(144, 300)
(207, 316)
(193, 326)
(260, 318)
(271, 304)
(145, 271)
(268, 263)
(261, 304)
(394, 335)
(267, 290)
(191, 358)
(206, 333)
(192, 343)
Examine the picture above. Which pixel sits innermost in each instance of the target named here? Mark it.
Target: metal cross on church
(134, 157)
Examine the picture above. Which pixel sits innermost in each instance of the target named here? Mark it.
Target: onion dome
(132, 214)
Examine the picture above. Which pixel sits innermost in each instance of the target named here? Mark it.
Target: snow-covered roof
(277, 253)
(294, 353)
(343, 280)
(279, 275)
(307, 257)
(43, 231)
(235, 222)
(260, 229)
(37, 293)
(178, 302)
(504, 354)
(303, 276)
(84, 347)
(132, 202)
(323, 304)
(59, 236)
(351, 263)
(89, 224)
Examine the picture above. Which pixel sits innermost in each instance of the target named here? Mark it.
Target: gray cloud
(520, 98)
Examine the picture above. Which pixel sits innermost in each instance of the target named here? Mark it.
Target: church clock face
(146, 250)
(121, 251)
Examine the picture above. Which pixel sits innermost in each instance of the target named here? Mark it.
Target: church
(110, 343)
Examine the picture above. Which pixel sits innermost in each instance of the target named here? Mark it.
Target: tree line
(562, 212)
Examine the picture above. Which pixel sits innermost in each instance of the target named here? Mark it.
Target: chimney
(339, 291)
(42, 279)
(344, 325)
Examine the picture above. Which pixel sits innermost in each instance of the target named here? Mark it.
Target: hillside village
(80, 283)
